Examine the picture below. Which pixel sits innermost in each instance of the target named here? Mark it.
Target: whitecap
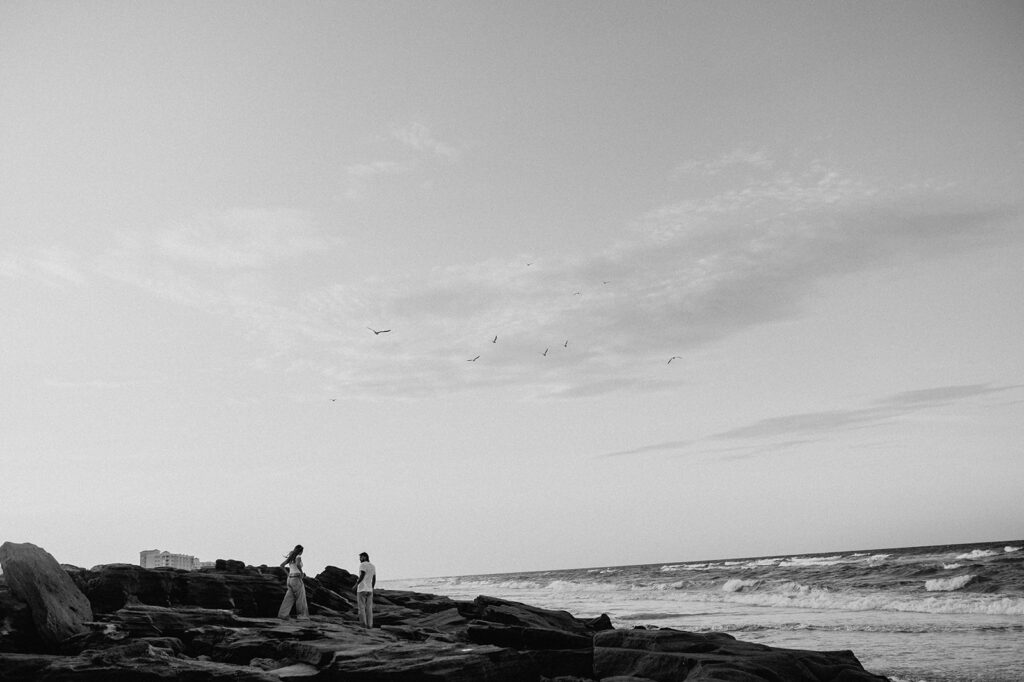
(976, 554)
(948, 584)
(811, 561)
(739, 585)
(1011, 548)
(672, 568)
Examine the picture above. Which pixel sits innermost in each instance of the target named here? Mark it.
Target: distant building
(154, 558)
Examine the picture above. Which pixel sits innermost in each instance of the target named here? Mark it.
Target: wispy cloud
(88, 384)
(809, 427)
(654, 447)
(378, 168)
(685, 275)
(55, 267)
(737, 158)
(410, 150)
(419, 137)
(359, 177)
(229, 261)
(240, 238)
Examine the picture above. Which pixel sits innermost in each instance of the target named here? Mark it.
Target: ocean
(949, 613)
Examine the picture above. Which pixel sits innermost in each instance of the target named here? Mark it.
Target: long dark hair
(294, 553)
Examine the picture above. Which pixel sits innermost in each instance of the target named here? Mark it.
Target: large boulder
(59, 609)
(672, 656)
(17, 631)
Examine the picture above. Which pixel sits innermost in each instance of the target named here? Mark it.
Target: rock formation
(218, 624)
(58, 608)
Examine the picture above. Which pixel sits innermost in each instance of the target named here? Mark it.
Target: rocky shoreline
(124, 622)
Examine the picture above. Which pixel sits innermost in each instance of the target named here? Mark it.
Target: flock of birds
(378, 332)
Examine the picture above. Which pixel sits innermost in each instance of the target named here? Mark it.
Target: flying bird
(566, 344)
(545, 353)
(473, 359)
(494, 340)
(378, 331)
(674, 357)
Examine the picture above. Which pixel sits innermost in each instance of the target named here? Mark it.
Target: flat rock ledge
(129, 623)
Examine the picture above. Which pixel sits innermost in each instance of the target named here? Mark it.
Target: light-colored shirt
(295, 567)
(370, 572)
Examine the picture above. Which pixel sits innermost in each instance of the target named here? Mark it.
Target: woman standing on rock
(296, 593)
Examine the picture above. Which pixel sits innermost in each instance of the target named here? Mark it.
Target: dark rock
(112, 586)
(517, 637)
(602, 622)
(337, 579)
(247, 591)
(572, 663)
(412, 661)
(138, 661)
(17, 631)
(670, 655)
(449, 621)
(25, 666)
(59, 609)
(142, 620)
(230, 565)
(416, 601)
(506, 612)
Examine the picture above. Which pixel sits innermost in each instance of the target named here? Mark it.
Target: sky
(654, 282)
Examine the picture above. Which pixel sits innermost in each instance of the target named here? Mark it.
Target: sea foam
(738, 585)
(948, 584)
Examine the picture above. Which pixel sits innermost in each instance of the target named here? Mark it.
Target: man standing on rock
(364, 589)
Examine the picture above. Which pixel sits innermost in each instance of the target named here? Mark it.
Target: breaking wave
(949, 584)
(738, 585)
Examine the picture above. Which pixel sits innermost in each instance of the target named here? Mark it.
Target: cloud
(417, 136)
(378, 168)
(884, 410)
(656, 447)
(681, 277)
(54, 267)
(737, 158)
(240, 238)
(90, 384)
(809, 427)
(684, 276)
(236, 262)
(415, 140)
(360, 176)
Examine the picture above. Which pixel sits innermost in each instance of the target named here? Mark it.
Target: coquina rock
(212, 625)
(59, 609)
